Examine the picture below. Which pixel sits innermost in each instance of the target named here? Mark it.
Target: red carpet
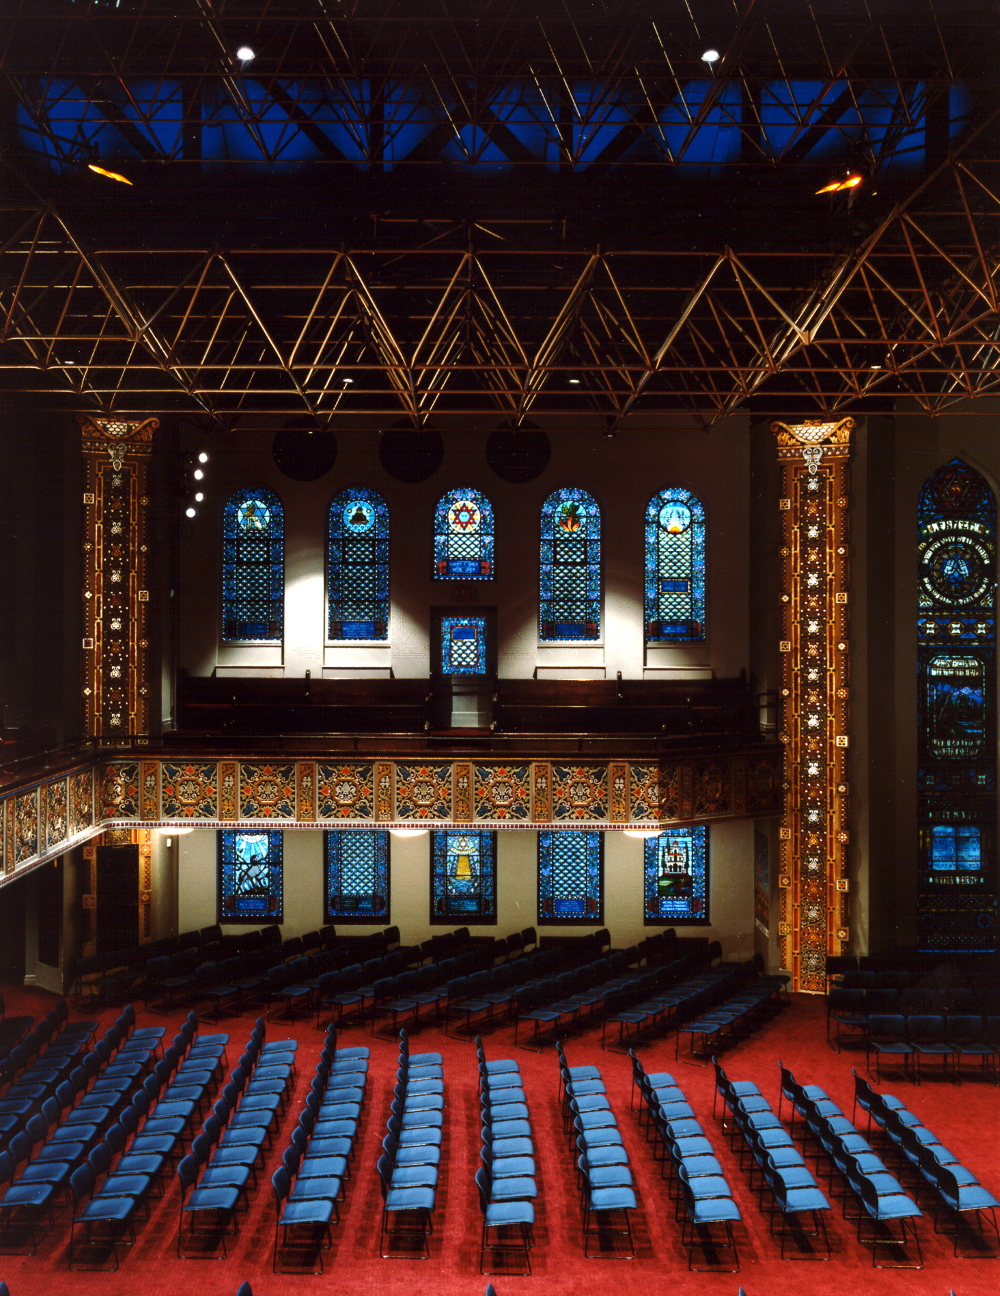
(966, 1119)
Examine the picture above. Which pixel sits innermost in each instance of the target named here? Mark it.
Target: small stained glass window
(955, 847)
(358, 566)
(569, 605)
(357, 876)
(250, 876)
(675, 567)
(253, 567)
(463, 645)
(677, 876)
(463, 536)
(570, 877)
(463, 877)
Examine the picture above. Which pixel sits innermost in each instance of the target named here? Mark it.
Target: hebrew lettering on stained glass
(358, 566)
(253, 567)
(357, 876)
(956, 723)
(463, 645)
(675, 567)
(463, 877)
(569, 604)
(250, 876)
(570, 877)
(463, 536)
(676, 876)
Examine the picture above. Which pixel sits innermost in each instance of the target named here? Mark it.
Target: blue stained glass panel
(955, 846)
(675, 567)
(253, 567)
(463, 877)
(676, 876)
(358, 566)
(570, 877)
(463, 536)
(463, 645)
(569, 602)
(357, 876)
(250, 876)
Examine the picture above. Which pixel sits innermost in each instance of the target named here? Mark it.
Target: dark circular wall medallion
(410, 455)
(518, 455)
(304, 453)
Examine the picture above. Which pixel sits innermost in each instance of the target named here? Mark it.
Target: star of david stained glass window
(676, 876)
(463, 536)
(250, 876)
(569, 601)
(357, 876)
(675, 567)
(463, 877)
(253, 567)
(358, 566)
(570, 877)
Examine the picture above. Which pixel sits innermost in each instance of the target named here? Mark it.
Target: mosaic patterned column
(116, 658)
(815, 657)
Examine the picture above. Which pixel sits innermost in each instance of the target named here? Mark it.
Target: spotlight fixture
(574, 382)
(203, 457)
(245, 54)
(711, 56)
(190, 512)
(198, 474)
(839, 186)
(110, 175)
(347, 381)
(198, 497)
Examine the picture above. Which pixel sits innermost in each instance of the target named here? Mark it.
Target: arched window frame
(271, 605)
(675, 559)
(463, 536)
(554, 625)
(341, 541)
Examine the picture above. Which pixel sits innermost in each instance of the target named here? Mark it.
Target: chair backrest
(290, 1159)
(80, 1183)
(484, 1182)
(187, 1172)
(201, 1148)
(244, 1289)
(886, 1026)
(925, 1026)
(19, 1147)
(99, 1158)
(281, 1182)
(129, 1121)
(115, 1139)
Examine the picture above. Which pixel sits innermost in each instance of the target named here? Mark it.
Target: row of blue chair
(505, 1181)
(917, 1037)
(698, 1183)
(411, 1153)
(317, 1158)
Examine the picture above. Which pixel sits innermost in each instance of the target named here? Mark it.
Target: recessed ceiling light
(198, 474)
(245, 54)
(203, 457)
(199, 497)
(574, 382)
(189, 512)
(710, 56)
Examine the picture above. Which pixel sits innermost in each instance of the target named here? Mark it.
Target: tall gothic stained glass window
(570, 877)
(358, 566)
(956, 661)
(253, 567)
(463, 536)
(250, 876)
(676, 876)
(357, 876)
(569, 605)
(463, 877)
(675, 567)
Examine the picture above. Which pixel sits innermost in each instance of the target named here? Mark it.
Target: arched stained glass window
(463, 877)
(357, 876)
(253, 567)
(956, 661)
(569, 603)
(250, 876)
(463, 536)
(675, 567)
(358, 566)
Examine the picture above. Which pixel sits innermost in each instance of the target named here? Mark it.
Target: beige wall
(730, 903)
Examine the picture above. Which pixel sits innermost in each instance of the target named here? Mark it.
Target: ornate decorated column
(116, 658)
(815, 689)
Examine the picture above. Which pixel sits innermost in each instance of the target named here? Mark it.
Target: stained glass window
(253, 567)
(956, 661)
(463, 645)
(357, 876)
(463, 536)
(677, 876)
(358, 566)
(463, 877)
(675, 567)
(570, 877)
(250, 876)
(570, 571)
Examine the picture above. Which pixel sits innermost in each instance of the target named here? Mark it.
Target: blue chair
(967, 1039)
(887, 1037)
(113, 1214)
(600, 1207)
(406, 1212)
(700, 1214)
(956, 1194)
(928, 1033)
(885, 1209)
(794, 1193)
(22, 1204)
(501, 1219)
(217, 1206)
(313, 1215)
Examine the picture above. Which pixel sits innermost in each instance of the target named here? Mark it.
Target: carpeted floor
(965, 1118)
